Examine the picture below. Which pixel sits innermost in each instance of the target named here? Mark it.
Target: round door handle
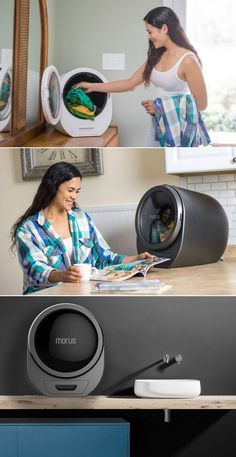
(234, 159)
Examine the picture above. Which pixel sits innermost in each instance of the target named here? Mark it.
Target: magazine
(150, 286)
(124, 271)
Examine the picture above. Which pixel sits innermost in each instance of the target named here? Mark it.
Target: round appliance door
(98, 99)
(159, 217)
(65, 340)
(51, 95)
(5, 93)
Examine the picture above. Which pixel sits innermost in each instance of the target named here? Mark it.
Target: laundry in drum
(4, 94)
(79, 104)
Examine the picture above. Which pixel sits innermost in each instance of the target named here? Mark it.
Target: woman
(54, 234)
(162, 225)
(174, 68)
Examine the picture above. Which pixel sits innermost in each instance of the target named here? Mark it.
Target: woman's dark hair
(157, 18)
(164, 209)
(53, 178)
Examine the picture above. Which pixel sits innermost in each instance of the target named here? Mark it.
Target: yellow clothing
(83, 109)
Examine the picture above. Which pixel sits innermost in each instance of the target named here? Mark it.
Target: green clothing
(4, 95)
(76, 97)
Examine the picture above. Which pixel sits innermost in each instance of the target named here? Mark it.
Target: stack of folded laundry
(79, 104)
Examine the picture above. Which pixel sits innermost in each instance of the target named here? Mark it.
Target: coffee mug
(85, 270)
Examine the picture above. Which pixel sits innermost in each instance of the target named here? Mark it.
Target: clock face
(45, 157)
(35, 162)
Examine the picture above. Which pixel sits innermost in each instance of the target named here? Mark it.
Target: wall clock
(34, 162)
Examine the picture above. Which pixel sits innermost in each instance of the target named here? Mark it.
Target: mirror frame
(20, 133)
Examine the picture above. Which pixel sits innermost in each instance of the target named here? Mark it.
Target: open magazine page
(127, 270)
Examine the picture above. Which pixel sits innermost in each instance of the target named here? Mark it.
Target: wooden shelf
(53, 138)
(124, 403)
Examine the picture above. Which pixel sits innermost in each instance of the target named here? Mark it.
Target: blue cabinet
(84, 439)
(8, 440)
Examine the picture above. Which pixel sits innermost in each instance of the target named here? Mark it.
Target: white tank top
(167, 82)
(69, 247)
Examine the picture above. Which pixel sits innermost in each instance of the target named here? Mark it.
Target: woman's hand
(144, 255)
(70, 274)
(148, 106)
(134, 258)
(88, 87)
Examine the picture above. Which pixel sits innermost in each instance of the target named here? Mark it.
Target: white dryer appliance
(54, 89)
(5, 98)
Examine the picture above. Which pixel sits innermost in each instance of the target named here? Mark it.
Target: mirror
(27, 23)
(33, 74)
(6, 47)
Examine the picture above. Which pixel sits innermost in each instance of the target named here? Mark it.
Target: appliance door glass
(160, 216)
(5, 93)
(51, 95)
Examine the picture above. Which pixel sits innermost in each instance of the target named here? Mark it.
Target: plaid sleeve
(31, 257)
(102, 254)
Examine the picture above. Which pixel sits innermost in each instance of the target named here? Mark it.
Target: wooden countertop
(211, 279)
(4, 136)
(103, 402)
(52, 138)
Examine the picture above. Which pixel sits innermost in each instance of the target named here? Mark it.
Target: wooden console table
(51, 138)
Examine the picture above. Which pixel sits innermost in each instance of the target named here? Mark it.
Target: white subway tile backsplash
(230, 208)
(222, 201)
(210, 178)
(226, 193)
(194, 179)
(213, 193)
(232, 239)
(218, 186)
(191, 187)
(183, 181)
(231, 201)
(203, 186)
(231, 185)
(226, 177)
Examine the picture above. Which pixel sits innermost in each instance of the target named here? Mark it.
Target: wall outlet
(113, 61)
(6, 57)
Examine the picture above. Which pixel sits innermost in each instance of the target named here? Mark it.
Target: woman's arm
(134, 258)
(31, 257)
(191, 72)
(124, 85)
(36, 265)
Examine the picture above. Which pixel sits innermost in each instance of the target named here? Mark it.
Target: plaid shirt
(178, 122)
(41, 249)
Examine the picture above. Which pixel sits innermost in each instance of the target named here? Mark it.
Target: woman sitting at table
(54, 234)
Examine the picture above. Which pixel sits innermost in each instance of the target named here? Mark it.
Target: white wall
(128, 173)
(6, 23)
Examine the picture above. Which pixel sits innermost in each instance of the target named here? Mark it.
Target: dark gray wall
(138, 331)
